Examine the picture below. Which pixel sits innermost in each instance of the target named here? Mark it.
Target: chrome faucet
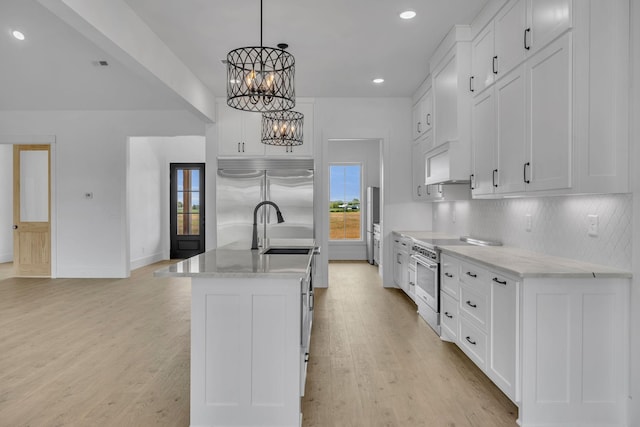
(254, 240)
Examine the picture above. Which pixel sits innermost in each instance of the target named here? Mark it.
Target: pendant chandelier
(260, 78)
(283, 128)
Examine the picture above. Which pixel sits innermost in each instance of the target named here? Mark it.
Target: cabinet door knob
(15, 227)
(470, 341)
(495, 65)
(446, 313)
(449, 275)
(495, 171)
(471, 84)
(471, 178)
(470, 274)
(239, 147)
(472, 305)
(502, 282)
(429, 119)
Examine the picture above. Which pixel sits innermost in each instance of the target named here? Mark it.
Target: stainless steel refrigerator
(243, 183)
(373, 217)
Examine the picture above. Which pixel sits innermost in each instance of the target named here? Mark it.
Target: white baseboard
(6, 258)
(144, 261)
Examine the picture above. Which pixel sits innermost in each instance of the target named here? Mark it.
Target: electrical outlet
(593, 225)
(528, 222)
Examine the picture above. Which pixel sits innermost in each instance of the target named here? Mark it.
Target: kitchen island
(251, 316)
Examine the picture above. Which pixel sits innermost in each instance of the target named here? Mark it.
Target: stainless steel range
(425, 261)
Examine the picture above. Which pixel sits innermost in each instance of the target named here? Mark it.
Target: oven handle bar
(424, 261)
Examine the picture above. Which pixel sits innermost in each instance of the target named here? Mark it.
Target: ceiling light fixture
(283, 128)
(266, 75)
(18, 35)
(378, 81)
(408, 14)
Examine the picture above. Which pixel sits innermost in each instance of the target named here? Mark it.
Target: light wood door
(32, 210)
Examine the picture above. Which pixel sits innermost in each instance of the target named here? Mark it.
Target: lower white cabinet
(401, 248)
(556, 346)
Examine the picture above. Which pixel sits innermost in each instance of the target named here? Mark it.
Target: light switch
(593, 225)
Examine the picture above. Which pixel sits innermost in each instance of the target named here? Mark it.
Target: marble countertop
(428, 235)
(233, 262)
(523, 263)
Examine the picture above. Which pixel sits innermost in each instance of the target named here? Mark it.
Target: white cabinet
(449, 296)
(548, 143)
(503, 345)
(546, 20)
(401, 248)
(423, 115)
(238, 132)
(510, 100)
(510, 31)
(556, 346)
(483, 179)
(419, 190)
(483, 60)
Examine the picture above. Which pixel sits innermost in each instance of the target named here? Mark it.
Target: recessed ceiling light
(378, 81)
(18, 35)
(408, 14)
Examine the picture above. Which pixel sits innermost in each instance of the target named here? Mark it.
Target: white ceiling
(339, 46)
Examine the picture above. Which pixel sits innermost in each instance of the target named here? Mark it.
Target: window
(344, 202)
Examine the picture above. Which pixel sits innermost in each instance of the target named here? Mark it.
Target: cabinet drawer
(475, 305)
(473, 275)
(449, 317)
(449, 276)
(473, 342)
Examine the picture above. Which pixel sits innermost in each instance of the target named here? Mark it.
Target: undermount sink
(287, 251)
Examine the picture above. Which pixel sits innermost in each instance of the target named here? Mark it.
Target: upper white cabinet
(483, 179)
(554, 121)
(422, 110)
(483, 62)
(240, 133)
(519, 30)
(548, 140)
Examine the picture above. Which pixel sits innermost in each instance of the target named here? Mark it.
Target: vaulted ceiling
(339, 46)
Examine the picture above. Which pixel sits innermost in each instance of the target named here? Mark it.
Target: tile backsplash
(559, 225)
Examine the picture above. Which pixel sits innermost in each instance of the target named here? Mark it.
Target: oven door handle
(424, 262)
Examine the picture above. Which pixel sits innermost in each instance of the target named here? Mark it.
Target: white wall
(91, 156)
(559, 225)
(634, 416)
(149, 162)
(386, 119)
(6, 202)
(367, 153)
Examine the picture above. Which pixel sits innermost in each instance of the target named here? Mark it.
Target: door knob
(15, 227)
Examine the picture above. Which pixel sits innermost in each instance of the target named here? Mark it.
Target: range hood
(449, 163)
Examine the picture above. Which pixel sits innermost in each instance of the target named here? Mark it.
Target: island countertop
(230, 262)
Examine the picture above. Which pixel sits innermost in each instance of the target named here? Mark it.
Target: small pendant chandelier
(283, 128)
(260, 78)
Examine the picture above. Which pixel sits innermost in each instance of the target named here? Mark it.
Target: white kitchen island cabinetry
(551, 333)
(251, 318)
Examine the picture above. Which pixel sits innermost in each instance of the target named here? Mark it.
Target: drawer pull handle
(449, 275)
(306, 357)
(470, 341)
(502, 282)
(470, 274)
(472, 305)
(446, 313)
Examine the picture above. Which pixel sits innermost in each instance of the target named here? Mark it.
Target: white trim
(147, 260)
(27, 139)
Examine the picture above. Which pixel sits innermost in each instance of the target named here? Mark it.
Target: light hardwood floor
(78, 352)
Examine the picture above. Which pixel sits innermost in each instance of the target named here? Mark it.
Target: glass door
(187, 209)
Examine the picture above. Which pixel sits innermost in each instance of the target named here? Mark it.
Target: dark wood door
(187, 209)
